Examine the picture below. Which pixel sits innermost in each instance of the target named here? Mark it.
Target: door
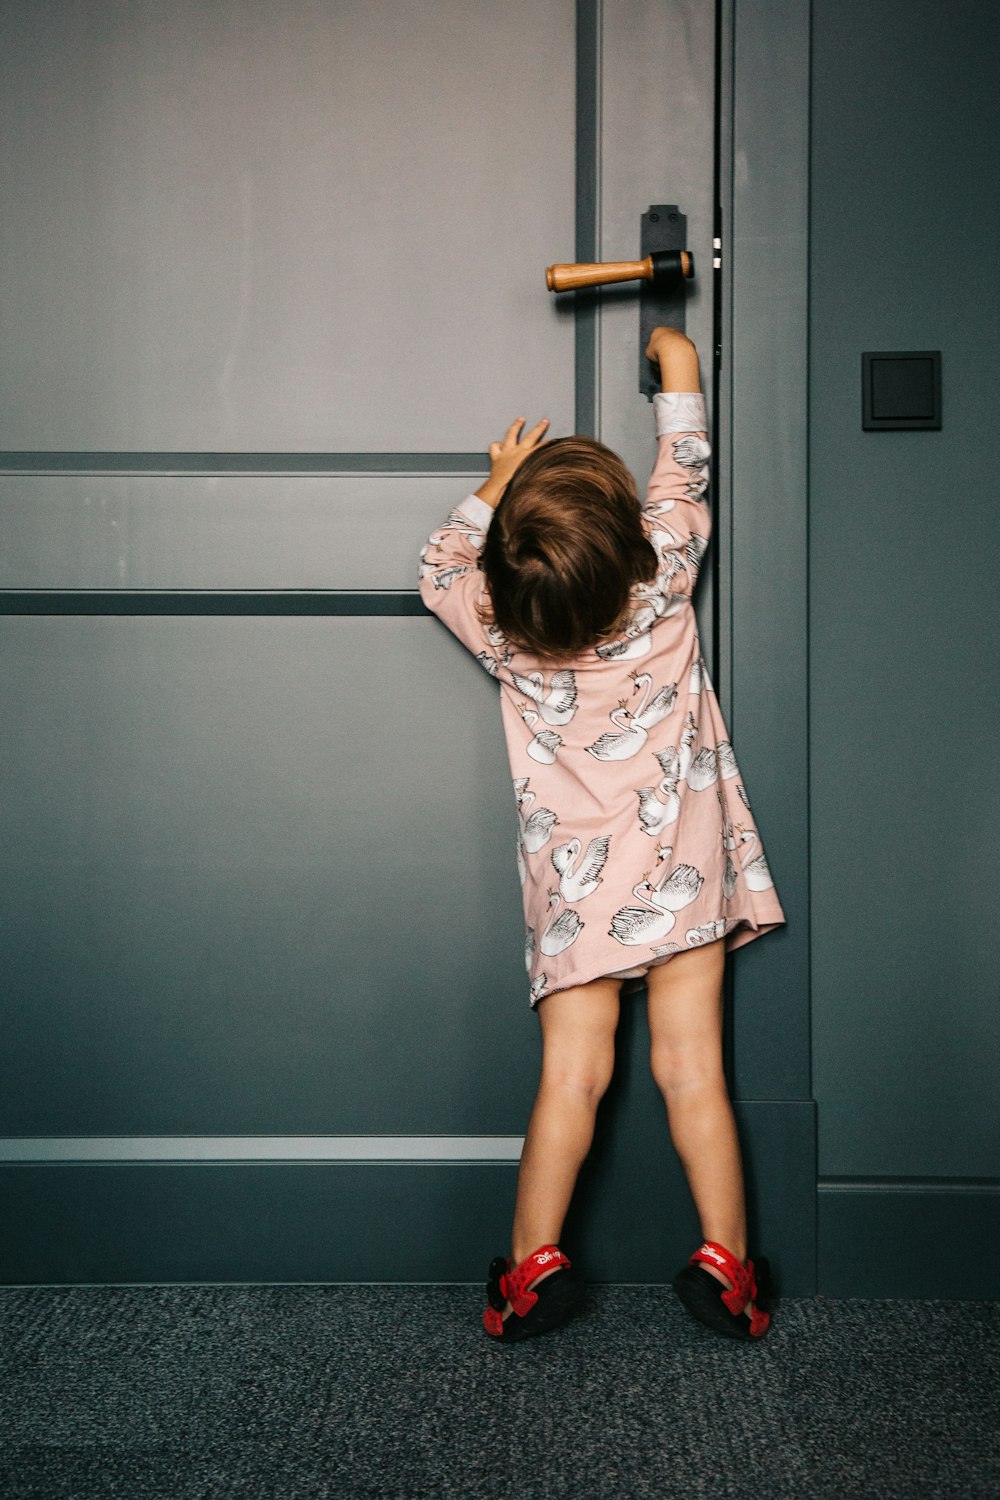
(274, 281)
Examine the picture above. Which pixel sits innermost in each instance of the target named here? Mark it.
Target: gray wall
(903, 645)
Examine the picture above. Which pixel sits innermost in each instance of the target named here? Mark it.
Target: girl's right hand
(507, 456)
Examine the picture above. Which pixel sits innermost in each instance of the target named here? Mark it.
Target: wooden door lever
(661, 268)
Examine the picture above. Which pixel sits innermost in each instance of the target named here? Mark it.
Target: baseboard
(251, 1222)
(135, 1220)
(907, 1237)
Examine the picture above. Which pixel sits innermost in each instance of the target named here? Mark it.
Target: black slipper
(534, 1312)
(719, 1308)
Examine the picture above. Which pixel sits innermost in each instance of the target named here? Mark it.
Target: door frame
(761, 447)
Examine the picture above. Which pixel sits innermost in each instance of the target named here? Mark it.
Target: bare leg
(685, 1023)
(578, 1058)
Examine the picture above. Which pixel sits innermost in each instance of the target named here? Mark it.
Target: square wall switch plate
(901, 390)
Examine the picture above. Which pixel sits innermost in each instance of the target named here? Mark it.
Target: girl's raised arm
(451, 584)
(675, 513)
(677, 358)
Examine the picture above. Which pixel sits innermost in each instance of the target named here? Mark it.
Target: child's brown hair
(564, 549)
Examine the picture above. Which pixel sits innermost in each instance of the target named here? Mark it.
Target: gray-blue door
(274, 279)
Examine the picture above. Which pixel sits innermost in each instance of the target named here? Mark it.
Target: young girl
(637, 852)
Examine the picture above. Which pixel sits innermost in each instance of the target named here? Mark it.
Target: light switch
(901, 389)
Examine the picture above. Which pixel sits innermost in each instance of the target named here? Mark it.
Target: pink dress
(635, 838)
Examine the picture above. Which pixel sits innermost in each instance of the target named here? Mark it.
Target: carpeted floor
(178, 1392)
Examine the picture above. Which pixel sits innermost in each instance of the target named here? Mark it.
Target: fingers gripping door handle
(664, 267)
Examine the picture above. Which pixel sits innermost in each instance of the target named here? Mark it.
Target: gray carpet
(178, 1392)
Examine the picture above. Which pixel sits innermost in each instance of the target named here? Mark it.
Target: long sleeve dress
(634, 835)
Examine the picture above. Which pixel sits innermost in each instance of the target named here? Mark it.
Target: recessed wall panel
(360, 532)
(283, 226)
(258, 878)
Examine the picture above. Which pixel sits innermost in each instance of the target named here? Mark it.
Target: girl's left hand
(507, 456)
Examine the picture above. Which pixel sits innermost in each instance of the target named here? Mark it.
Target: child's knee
(678, 1071)
(584, 1076)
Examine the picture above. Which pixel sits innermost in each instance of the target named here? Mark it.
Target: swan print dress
(634, 838)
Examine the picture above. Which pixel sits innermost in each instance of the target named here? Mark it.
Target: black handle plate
(662, 301)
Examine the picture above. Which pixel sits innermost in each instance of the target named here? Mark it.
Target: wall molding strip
(908, 1184)
(268, 464)
(368, 1149)
(209, 602)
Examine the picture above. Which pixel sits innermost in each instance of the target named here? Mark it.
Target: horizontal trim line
(209, 602)
(908, 1184)
(322, 1148)
(27, 462)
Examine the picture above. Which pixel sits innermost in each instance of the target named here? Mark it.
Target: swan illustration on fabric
(676, 766)
(755, 870)
(462, 525)
(727, 760)
(670, 561)
(692, 452)
(636, 639)
(635, 642)
(696, 937)
(575, 884)
(490, 662)
(545, 742)
(729, 843)
(658, 507)
(437, 541)
(538, 987)
(495, 637)
(695, 550)
(703, 770)
(445, 577)
(562, 930)
(654, 602)
(677, 556)
(729, 879)
(655, 919)
(688, 738)
(655, 815)
(557, 701)
(633, 727)
(536, 826)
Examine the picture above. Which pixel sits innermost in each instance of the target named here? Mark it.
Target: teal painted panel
(252, 1223)
(908, 1240)
(904, 537)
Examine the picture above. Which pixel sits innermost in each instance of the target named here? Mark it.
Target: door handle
(660, 268)
(664, 268)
